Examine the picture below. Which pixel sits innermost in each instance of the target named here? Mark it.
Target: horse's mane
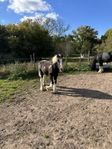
(55, 59)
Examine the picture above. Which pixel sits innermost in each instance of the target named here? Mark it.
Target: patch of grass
(16, 77)
(11, 87)
(46, 136)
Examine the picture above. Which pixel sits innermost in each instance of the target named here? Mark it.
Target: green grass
(15, 76)
(11, 87)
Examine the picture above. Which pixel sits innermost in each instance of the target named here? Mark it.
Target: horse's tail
(93, 63)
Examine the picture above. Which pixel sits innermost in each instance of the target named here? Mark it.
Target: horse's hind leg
(51, 82)
(41, 84)
(41, 80)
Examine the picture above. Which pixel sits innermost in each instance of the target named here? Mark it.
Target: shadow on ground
(81, 92)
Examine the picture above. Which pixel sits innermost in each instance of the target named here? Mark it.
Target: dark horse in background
(50, 68)
(101, 58)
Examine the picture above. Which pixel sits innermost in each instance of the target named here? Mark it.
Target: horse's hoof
(100, 71)
(47, 88)
(41, 90)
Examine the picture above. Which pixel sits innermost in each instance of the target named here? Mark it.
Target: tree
(62, 45)
(13, 39)
(55, 27)
(84, 39)
(29, 38)
(106, 41)
(3, 39)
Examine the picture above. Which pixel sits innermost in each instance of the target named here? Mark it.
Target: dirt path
(78, 117)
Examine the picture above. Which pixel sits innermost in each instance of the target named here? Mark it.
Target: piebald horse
(50, 68)
(101, 58)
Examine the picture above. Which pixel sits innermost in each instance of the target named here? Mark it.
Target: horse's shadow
(81, 92)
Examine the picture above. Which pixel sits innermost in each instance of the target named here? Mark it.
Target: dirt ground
(79, 116)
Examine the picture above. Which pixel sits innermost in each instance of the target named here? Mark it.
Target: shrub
(73, 67)
(20, 70)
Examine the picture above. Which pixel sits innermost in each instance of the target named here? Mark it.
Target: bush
(29, 70)
(76, 67)
(20, 70)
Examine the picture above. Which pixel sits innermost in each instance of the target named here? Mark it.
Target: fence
(70, 59)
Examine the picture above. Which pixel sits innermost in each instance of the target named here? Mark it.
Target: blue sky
(95, 13)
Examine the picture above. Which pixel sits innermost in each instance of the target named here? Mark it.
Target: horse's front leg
(100, 69)
(100, 66)
(54, 84)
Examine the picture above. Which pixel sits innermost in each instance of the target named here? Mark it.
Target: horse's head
(58, 58)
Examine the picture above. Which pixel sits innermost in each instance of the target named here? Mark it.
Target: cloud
(41, 17)
(52, 15)
(28, 6)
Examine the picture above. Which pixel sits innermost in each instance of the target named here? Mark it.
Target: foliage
(55, 27)
(30, 39)
(63, 44)
(27, 38)
(84, 39)
(19, 71)
(3, 39)
(106, 42)
(75, 67)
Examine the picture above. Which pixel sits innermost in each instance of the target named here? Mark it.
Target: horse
(51, 69)
(101, 58)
